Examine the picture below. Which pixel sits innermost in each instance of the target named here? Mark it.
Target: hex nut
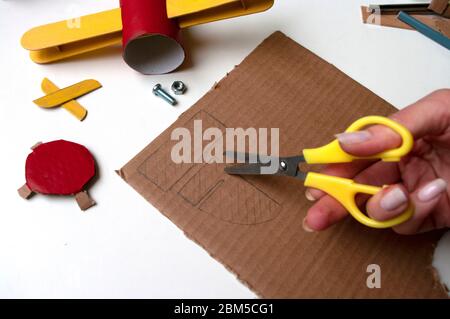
(179, 88)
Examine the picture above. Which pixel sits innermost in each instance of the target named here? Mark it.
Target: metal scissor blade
(284, 166)
(246, 169)
(240, 157)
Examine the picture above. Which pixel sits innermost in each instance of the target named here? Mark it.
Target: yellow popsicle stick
(64, 32)
(226, 11)
(67, 94)
(178, 8)
(65, 51)
(75, 108)
(333, 153)
(64, 39)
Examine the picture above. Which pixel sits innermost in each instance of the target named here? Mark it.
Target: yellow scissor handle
(333, 153)
(344, 190)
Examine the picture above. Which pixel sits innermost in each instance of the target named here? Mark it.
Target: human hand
(421, 177)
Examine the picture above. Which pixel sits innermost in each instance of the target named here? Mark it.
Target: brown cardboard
(84, 201)
(25, 192)
(253, 224)
(436, 22)
(441, 7)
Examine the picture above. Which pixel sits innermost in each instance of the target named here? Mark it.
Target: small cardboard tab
(253, 224)
(84, 200)
(25, 192)
(35, 146)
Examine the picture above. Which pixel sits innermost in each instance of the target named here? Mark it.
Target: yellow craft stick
(67, 94)
(65, 51)
(64, 39)
(75, 108)
(215, 13)
(64, 32)
(178, 8)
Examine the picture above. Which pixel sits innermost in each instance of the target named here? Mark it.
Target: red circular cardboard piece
(151, 41)
(59, 168)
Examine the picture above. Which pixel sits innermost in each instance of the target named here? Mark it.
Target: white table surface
(124, 247)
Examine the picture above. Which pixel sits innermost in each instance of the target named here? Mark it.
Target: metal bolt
(159, 91)
(179, 88)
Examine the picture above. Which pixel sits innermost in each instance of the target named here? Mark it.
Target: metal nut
(179, 88)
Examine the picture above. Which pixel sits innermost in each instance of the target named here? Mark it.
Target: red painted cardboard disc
(59, 168)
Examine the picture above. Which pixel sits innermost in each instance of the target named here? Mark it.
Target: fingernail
(309, 196)
(432, 189)
(393, 199)
(354, 137)
(306, 227)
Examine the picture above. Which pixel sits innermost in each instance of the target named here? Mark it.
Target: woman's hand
(421, 177)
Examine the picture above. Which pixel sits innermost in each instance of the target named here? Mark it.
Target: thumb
(393, 201)
(429, 116)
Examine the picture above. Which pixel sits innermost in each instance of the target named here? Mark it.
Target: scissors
(342, 189)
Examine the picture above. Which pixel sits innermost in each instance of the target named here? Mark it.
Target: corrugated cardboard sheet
(253, 225)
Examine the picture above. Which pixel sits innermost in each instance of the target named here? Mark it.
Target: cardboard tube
(151, 41)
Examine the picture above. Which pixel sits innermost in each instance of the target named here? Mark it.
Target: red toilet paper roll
(151, 41)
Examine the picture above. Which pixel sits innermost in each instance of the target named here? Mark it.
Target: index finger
(429, 116)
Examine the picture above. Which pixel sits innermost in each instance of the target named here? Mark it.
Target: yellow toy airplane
(60, 40)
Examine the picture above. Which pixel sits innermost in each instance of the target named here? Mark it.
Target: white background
(124, 247)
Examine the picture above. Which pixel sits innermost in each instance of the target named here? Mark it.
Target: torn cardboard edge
(441, 262)
(253, 226)
(438, 280)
